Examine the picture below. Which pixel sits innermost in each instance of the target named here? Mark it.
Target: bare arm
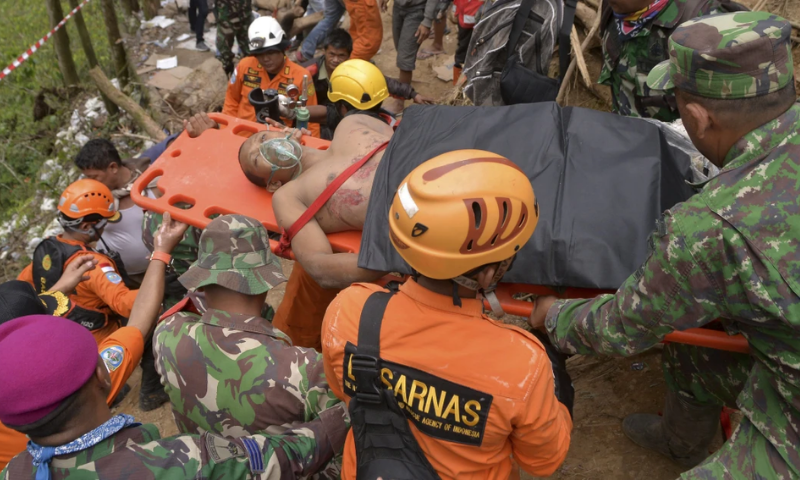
(148, 301)
(313, 250)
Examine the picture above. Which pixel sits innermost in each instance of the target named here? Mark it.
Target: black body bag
(385, 445)
(518, 84)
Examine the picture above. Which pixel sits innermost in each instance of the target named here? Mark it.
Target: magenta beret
(43, 360)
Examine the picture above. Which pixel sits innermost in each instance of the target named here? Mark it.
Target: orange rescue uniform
(99, 292)
(366, 28)
(475, 391)
(121, 353)
(302, 309)
(249, 74)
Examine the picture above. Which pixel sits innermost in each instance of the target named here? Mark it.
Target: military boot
(683, 434)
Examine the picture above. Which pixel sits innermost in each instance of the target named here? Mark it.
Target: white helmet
(265, 33)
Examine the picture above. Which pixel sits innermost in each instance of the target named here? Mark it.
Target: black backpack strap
(519, 24)
(366, 363)
(564, 41)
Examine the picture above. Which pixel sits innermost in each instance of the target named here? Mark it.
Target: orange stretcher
(201, 178)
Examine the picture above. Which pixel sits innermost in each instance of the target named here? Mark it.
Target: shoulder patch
(47, 262)
(113, 277)
(439, 408)
(113, 357)
(221, 449)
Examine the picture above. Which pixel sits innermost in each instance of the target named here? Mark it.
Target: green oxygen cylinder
(301, 121)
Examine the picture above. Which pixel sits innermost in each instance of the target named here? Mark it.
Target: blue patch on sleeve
(113, 357)
(113, 277)
(254, 455)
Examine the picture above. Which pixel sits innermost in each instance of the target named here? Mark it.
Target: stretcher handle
(701, 337)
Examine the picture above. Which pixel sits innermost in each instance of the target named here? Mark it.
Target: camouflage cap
(234, 253)
(727, 56)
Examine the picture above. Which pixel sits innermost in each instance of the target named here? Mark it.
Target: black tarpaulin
(602, 181)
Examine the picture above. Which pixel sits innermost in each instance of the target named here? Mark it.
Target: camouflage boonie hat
(727, 56)
(234, 253)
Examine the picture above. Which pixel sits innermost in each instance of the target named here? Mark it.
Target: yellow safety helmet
(460, 211)
(359, 83)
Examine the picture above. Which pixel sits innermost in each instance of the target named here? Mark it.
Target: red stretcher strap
(288, 234)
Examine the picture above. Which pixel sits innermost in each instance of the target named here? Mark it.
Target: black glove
(565, 393)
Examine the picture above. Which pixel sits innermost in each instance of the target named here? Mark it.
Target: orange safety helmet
(460, 211)
(86, 197)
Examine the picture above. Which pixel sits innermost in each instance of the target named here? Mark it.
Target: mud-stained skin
(343, 201)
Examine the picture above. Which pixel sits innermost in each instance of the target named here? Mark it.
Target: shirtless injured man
(317, 192)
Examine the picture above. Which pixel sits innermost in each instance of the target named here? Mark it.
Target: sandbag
(601, 180)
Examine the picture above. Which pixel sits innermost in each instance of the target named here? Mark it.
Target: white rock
(94, 104)
(81, 139)
(53, 229)
(48, 205)
(32, 244)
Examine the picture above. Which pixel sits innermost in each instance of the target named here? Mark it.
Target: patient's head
(282, 166)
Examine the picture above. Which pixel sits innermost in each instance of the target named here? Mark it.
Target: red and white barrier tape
(16, 63)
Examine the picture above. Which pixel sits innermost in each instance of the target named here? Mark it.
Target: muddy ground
(606, 389)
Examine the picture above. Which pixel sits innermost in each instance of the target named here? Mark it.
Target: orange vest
(249, 74)
(476, 392)
(103, 292)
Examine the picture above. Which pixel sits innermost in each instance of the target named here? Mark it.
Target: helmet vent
(521, 221)
(365, 98)
(505, 215)
(418, 230)
(271, 36)
(469, 246)
(476, 210)
(494, 239)
(536, 207)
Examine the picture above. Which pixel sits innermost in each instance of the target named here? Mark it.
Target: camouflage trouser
(183, 255)
(233, 18)
(716, 377)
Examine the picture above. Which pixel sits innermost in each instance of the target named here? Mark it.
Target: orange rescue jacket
(103, 292)
(249, 74)
(475, 391)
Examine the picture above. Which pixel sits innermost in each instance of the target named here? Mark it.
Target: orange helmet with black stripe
(462, 210)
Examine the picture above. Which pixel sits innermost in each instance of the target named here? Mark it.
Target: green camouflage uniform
(139, 452)
(732, 251)
(182, 256)
(626, 64)
(233, 19)
(234, 374)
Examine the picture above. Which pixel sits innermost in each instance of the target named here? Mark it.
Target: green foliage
(25, 144)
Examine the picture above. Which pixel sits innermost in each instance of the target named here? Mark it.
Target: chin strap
(487, 293)
(71, 225)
